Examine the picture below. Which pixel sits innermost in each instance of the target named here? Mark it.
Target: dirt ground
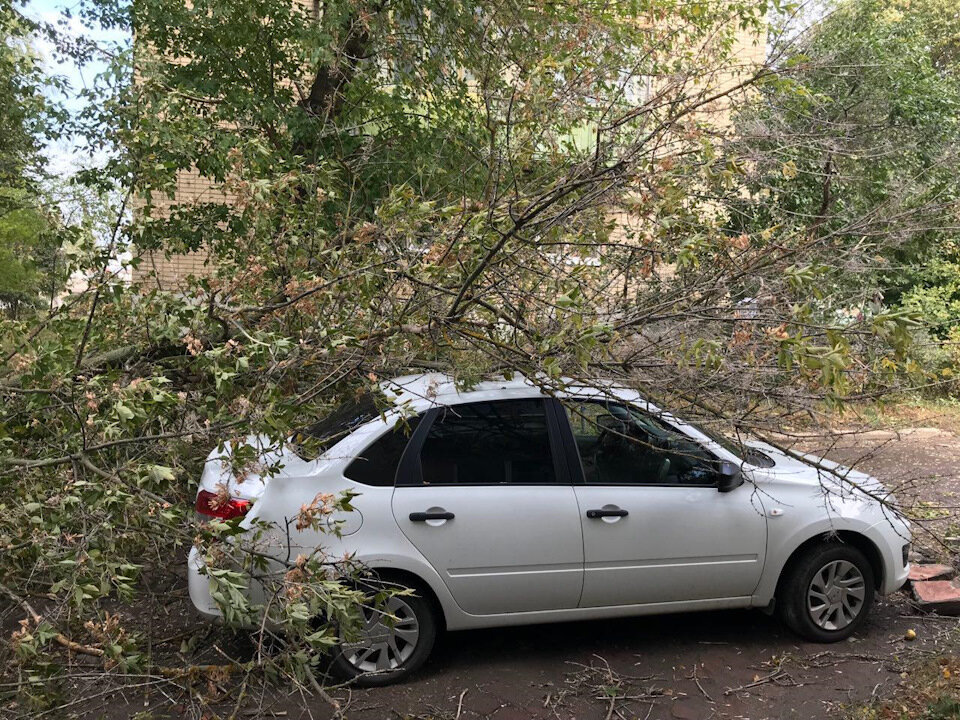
(736, 664)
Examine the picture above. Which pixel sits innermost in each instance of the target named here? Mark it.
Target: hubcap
(387, 638)
(835, 596)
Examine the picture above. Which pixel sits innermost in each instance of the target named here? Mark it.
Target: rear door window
(505, 442)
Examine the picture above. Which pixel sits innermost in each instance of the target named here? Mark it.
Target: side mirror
(730, 476)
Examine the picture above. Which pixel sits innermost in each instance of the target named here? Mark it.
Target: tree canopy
(30, 121)
(857, 139)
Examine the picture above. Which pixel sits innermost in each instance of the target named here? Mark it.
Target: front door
(655, 527)
(482, 496)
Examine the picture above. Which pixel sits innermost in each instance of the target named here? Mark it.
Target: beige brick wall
(168, 272)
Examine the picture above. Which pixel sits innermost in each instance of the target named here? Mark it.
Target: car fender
(423, 571)
(783, 542)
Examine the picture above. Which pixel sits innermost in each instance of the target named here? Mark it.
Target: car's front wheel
(393, 640)
(826, 595)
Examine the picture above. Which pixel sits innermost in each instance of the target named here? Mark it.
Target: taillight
(211, 504)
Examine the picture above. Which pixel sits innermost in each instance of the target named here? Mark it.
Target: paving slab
(940, 596)
(931, 571)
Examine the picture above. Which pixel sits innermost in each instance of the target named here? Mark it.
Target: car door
(483, 495)
(655, 527)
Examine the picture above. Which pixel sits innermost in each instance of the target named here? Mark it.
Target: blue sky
(64, 156)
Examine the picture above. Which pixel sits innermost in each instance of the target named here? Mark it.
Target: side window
(377, 464)
(489, 443)
(619, 445)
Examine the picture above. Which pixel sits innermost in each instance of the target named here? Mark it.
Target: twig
(697, 681)
(59, 637)
(325, 696)
(772, 677)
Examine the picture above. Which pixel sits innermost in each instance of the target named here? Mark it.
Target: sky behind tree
(65, 156)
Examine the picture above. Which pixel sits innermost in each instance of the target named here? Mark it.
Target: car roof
(430, 389)
(423, 391)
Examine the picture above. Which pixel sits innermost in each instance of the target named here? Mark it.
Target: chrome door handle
(606, 512)
(424, 516)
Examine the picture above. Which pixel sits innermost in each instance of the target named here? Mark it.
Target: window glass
(377, 464)
(620, 445)
(313, 441)
(491, 443)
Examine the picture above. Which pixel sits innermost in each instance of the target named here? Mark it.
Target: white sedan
(503, 506)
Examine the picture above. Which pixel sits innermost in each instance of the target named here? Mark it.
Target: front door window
(620, 445)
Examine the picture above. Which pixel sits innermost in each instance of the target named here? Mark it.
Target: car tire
(374, 664)
(825, 595)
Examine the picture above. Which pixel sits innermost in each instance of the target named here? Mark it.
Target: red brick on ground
(940, 596)
(931, 571)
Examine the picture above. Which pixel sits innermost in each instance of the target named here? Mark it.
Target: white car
(503, 506)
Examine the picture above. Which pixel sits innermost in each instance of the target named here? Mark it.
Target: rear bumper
(199, 586)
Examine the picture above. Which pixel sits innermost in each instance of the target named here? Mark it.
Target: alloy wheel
(835, 596)
(387, 638)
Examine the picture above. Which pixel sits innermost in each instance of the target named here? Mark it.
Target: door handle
(424, 516)
(606, 512)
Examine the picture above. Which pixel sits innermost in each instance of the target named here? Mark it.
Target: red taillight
(211, 504)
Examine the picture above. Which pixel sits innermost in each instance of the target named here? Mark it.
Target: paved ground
(712, 665)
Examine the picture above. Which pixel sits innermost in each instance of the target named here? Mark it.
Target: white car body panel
(509, 549)
(512, 553)
(676, 544)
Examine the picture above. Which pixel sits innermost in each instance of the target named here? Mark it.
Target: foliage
(857, 141)
(930, 691)
(29, 120)
(541, 188)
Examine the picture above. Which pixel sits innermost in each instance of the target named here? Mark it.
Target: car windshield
(731, 445)
(315, 439)
(736, 446)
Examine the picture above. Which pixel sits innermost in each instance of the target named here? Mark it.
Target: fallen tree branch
(60, 638)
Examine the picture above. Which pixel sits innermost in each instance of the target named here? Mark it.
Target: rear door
(482, 494)
(655, 527)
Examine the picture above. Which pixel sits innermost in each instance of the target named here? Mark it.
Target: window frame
(575, 462)
(410, 473)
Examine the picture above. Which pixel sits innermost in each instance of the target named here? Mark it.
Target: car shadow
(559, 642)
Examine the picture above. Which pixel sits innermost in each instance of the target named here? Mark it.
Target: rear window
(377, 464)
(314, 440)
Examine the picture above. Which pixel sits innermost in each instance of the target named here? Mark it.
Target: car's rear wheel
(392, 642)
(826, 595)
